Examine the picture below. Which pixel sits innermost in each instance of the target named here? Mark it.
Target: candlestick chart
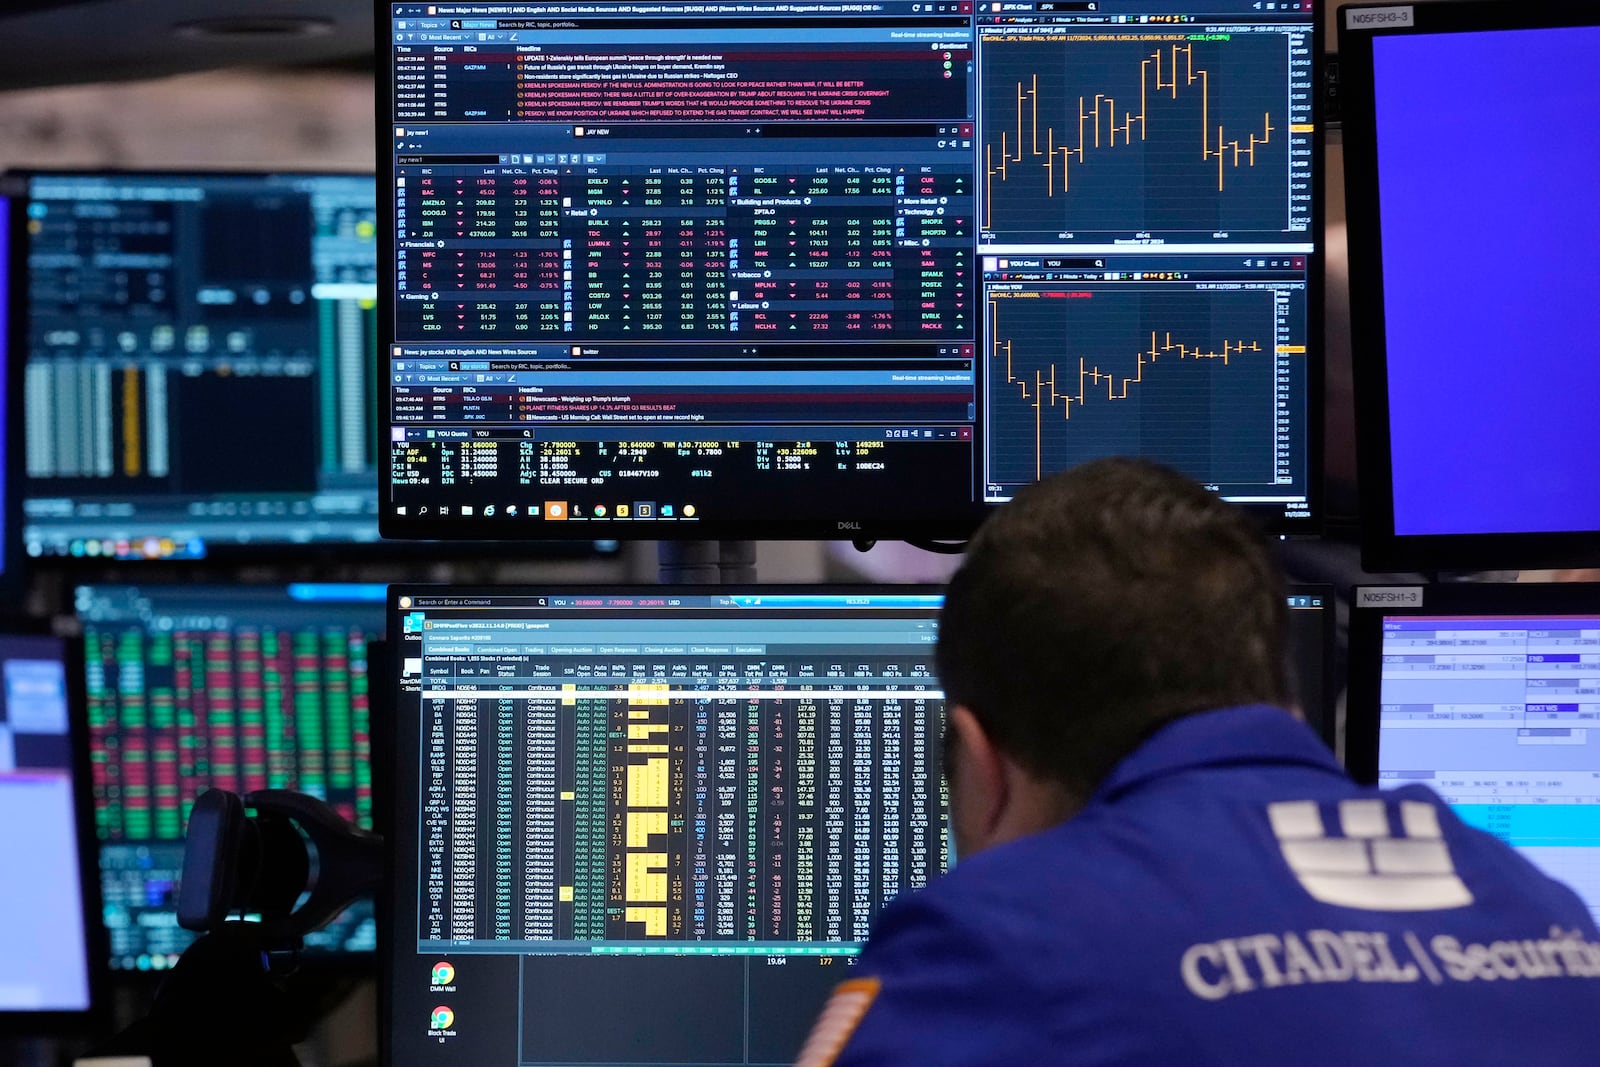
(1183, 377)
(1125, 133)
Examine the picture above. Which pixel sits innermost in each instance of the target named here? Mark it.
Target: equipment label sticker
(1378, 18)
(1379, 597)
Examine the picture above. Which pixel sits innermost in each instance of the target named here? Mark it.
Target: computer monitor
(238, 687)
(649, 826)
(1471, 311)
(1489, 694)
(840, 269)
(197, 355)
(49, 939)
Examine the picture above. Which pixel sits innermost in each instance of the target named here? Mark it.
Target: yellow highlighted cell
(646, 879)
(649, 784)
(641, 824)
(654, 919)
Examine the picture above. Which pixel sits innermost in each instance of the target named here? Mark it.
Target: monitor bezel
(18, 184)
(1328, 729)
(962, 522)
(92, 1020)
(13, 204)
(1368, 608)
(1382, 548)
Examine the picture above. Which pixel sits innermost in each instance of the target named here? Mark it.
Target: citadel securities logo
(1379, 18)
(1364, 867)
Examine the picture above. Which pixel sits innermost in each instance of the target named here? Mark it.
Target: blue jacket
(1229, 897)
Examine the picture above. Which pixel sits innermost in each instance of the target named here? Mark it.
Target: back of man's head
(1102, 603)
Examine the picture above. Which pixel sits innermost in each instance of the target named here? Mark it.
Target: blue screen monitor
(49, 938)
(1490, 695)
(1472, 309)
(236, 687)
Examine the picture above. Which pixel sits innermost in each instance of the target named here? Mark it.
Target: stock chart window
(1147, 213)
(199, 363)
(1498, 714)
(238, 688)
(700, 798)
(837, 268)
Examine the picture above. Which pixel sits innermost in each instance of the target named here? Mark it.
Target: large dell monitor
(50, 937)
(1472, 309)
(694, 799)
(1489, 694)
(838, 269)
(649, 826)
(239, 687)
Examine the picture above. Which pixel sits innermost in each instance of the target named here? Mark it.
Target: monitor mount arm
(227, 1000)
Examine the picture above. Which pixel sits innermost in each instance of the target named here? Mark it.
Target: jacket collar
(1252, 733)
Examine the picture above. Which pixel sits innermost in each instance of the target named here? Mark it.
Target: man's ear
(981, 788)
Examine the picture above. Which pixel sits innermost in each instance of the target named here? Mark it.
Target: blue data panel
(1501, 715)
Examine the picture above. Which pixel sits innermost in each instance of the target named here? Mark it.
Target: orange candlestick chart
(1127, 134)
(1186, 378)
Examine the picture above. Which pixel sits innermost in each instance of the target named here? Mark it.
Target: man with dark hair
(1159, 864)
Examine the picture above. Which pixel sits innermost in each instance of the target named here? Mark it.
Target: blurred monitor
(49, 937)
(1471, 271)
(198, 363)
(1490, 695)
(672, 812)
(238, 687)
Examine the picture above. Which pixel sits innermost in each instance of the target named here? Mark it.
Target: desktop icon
(443, 1018)
(443, 973)
(555, 509)
(623, 511)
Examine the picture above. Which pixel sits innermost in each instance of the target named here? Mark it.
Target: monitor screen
(240, 688)
(45, 937)
(1492, 698)
(840, 269)
(199, 363)
(1476, 379)
(674, 813)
